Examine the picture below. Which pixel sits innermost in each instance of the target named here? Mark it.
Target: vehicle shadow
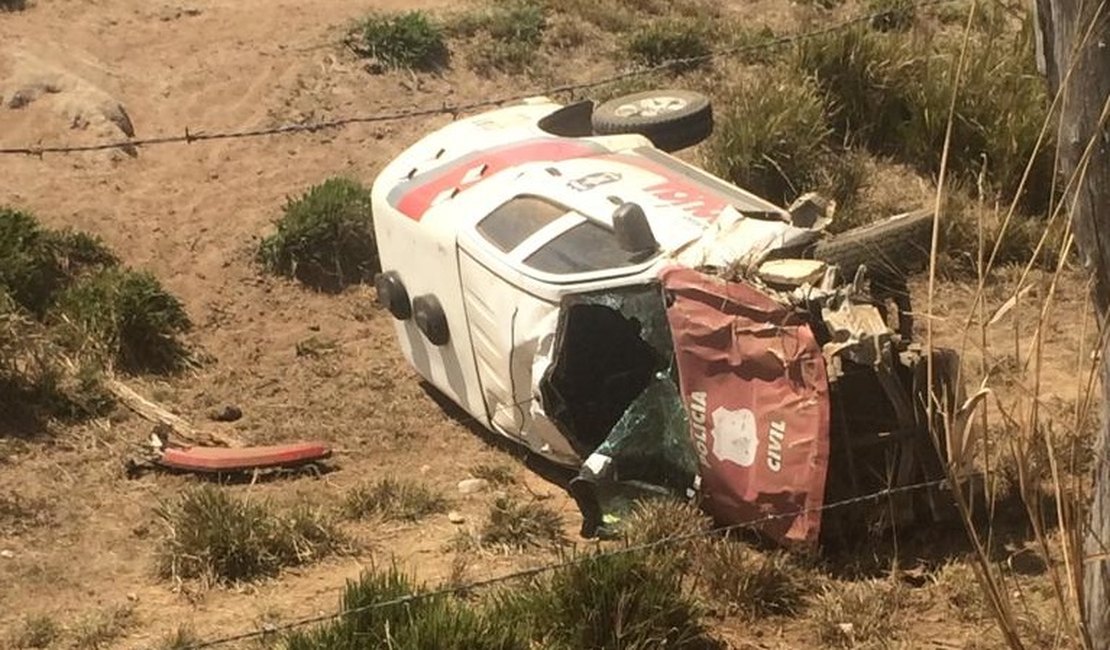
(547, 470)
(1006, 534)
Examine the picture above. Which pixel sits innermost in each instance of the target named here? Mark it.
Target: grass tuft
(617, 601)
(325, 238)
(771, 136)
(658, 519)
(892, 15)
(752, 583)
(506, 35)
(13, 5)
(182, 638)
(222, 539)
(432, 621)
(854, 614)
(957, 583)
(662, 41)
(516, 525)
(101, 629)
(393, 499)
(401, 40)
(37, 632)
(495, 474)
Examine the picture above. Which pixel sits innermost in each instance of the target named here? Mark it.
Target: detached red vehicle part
(756, 393)
(243, 459)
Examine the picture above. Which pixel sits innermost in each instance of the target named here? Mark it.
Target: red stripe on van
(416, 199)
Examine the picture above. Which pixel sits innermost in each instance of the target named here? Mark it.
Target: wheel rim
(651, 107)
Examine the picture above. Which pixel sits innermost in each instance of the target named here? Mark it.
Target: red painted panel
(755, 387)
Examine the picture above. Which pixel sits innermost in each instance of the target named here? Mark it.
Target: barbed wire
(556, 566)
(190, 137)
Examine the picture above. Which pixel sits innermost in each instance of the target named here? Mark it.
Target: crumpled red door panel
(754, 385)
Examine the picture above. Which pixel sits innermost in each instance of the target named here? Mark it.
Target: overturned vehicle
(567, 282)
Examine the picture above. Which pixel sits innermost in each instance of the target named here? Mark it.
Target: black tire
(392, 295)
(671, 119)
(430, 319)
(893, 247)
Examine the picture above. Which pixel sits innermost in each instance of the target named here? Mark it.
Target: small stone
(472, 485)
(455, 517)
(133, 597)
(229, 413)
(6, 554)
(846, 629)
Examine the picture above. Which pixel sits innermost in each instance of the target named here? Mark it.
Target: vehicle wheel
(671, 119)
(430, 319)
(894, 247)
(392, 294)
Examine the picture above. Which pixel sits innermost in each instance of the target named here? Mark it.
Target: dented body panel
(754, 383)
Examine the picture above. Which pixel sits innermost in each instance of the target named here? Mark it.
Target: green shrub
(630, 600)
(325, 238)
(426, 623)
(892, 95)
(866, 80)
(771, 137)
(218, 538)
(129, 316)
(508, 35)
(664, 41)
(892, 15)
(36, 263)
(401, 40)
(1000, 109)
(393, 499)
(519, 525)
(752, 583)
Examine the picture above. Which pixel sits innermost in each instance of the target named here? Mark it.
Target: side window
(586, 247)
(513, 222)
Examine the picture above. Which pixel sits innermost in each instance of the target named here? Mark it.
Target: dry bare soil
(193, 214)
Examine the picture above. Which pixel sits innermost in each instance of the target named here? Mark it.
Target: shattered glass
(648, 452)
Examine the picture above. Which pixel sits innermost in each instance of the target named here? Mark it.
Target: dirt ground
(193, 214)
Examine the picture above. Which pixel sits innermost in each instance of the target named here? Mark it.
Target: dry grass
(495, 474)
(514, 525)
(393, 499)
(218, 538)
(37, 632)
(752, 583)
(101, 629)
(182, 638)
(957, 584)
(659, 519)
(858, 614)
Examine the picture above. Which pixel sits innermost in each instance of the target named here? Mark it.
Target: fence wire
(190, 136)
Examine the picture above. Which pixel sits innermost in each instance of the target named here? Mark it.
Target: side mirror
(633, 230)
